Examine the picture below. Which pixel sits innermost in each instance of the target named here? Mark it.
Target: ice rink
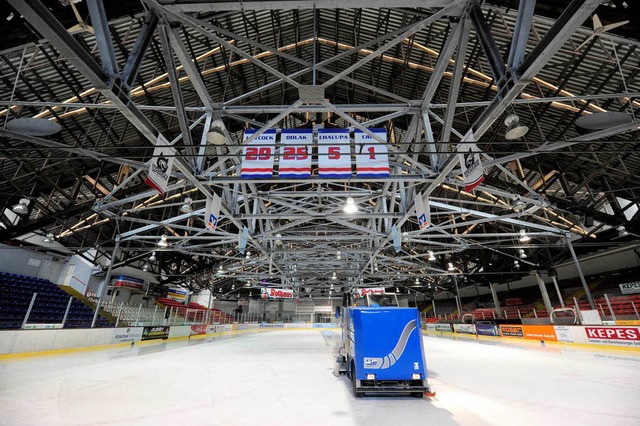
(286, 378)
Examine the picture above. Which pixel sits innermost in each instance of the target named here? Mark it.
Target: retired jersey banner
(469, 155)
(257, 155)
(334, 153)
(161, 165)
(423, 211)
(295, 153)
(276, 293)
(372, 159)
(212, 212)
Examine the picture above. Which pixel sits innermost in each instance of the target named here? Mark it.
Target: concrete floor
(286, 378)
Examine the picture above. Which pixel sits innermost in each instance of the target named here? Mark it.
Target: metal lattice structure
(430, 71)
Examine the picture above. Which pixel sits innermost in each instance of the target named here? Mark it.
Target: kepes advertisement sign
(626, 336)
(630, 288)
(153, 333)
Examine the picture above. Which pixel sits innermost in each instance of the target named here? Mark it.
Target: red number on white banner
(254, 153)
(372, 153)
(334, 153)
(295, 153)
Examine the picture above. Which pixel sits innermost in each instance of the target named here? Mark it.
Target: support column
(555, 284)
(107, 278)
(433, 302)
(545, 295)
(496, 302)
(457, 297)
(579, 268)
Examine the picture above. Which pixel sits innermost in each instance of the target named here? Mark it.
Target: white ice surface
(285, 378)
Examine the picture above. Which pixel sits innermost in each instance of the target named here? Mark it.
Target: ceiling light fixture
(417, 281)
(622, 231)
(49, 238)
(145, 268)
(338, 255)
(334, 277)
(21, 207)
(350, 207)
(522, 254)
(518, 206)
(431, 257)
(523, 238)
(186, 207)
(152, 258)
(163, 241)
(450, 267)
(216, 135)
(514, 129)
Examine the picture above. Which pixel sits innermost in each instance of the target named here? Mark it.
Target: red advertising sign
(276, 293)
(613, 333)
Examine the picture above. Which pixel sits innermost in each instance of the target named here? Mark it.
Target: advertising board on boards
(511, 331)
(155, 332)
(621, 336)
(487, 330)
(465, 328)
(129, 334)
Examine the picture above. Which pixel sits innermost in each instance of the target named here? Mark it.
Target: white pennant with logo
(469, 155)
(161, 165)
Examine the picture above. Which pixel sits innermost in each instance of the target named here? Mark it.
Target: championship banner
(212, 212)
(257, 161)
(469, 155)
(161, 165)
(372, 159)
(423, 211)
(276, 293)
(334, 153)
(295, 153)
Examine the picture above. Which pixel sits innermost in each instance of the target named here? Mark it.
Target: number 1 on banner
(373, 159)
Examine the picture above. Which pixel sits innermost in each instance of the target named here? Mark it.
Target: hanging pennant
(161, 165)
(212, 212)
(469, 155)
(257, 155)
(295, 153)
(334, 153)
(423, 211)
(372, 159)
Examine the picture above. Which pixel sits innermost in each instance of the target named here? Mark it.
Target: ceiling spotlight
(350, 207)
(163, 241)
(622, 231)
(523, 238)
(215, 135)
(417, 281)
(518, 206)
(514, 129)
(186, 207)
(334, 277)
(248, 255)
(145, 268)
(21, 207)
(431, 257)
(450, 267)
(516, 264)
(233, 286)
(338, 255)
(522, 254)
(152, 258)
(278, 239)
(49, 238)
(397, 290)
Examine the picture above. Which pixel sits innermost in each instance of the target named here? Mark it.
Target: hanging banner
(423, 211)
(469, 155)
(295, 153)
(129, 282)
(161, 165)
(177, 294)
(361, 292)
(372, 159)
(395, 235)
(212, 212)
(334, 153)
(257, 155)
(243, 237)
(276, 293)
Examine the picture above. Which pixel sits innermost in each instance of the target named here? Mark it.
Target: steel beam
(521, 33)
(189, 6)
(488, 44)
(143, 40)
(103, 37)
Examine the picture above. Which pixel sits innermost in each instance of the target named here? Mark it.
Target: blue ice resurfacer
(382, 348)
